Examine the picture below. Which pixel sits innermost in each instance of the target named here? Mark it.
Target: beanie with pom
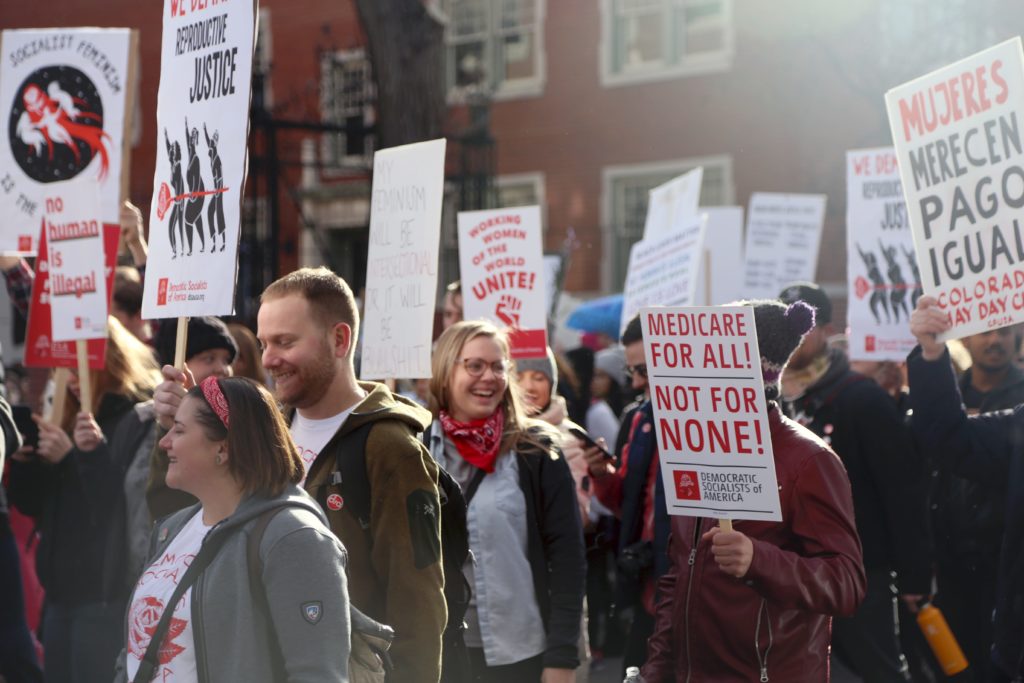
(780, 328)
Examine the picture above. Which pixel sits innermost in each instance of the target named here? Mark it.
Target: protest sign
(663, 270)
(710, 412)
(74, 242)
(673, 204)
(401, 263)
(202, 125)
(881, 267)
(783, 236)
(718, 282)
(41, 351)
(63, 96)
(501, 261)
(957, 133)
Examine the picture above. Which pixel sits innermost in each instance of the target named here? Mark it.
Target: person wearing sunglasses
(527, 569)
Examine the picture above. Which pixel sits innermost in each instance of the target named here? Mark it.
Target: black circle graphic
(55, 161)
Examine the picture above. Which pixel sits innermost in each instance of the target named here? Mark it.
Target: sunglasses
(640, 369)
(476, 367)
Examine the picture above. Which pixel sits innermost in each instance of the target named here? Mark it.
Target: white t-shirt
(310, 436)
(177, 655)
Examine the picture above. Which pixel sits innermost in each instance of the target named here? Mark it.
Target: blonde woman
(528, 568)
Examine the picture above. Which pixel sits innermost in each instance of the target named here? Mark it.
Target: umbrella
(598, 315)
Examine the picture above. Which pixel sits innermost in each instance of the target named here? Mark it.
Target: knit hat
(780, 328)
(811, 294)
(612, 362)
(545, 365)
(204, 333)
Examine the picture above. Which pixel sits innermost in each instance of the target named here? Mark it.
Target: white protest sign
(881, 267)
(202, 126)
(673, 204)
(663, 270)
(501, 262)
(77, 267)
(710, 412)
(62, 99)
(783, 236)
(957, 133)
(401, 262)
(718, 282)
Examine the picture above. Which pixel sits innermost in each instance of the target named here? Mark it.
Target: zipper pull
(764, 674)
(693, 556)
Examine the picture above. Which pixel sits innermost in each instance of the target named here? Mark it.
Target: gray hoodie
(306, 588)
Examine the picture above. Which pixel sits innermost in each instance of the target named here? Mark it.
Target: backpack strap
(150, 661)
(473, 485)
(350, 475)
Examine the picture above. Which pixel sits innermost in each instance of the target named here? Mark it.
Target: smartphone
(26, 425)
(587, 439)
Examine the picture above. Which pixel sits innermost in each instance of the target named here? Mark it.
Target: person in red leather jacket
(755, 604)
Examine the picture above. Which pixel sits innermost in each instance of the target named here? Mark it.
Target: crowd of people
(260, 514)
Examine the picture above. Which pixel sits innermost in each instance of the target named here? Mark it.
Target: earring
(218, 460)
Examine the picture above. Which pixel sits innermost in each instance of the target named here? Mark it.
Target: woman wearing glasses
(527, 568)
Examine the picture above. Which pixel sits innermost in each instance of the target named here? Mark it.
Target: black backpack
(351, 477)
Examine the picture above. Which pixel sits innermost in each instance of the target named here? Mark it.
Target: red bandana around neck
(478, 441)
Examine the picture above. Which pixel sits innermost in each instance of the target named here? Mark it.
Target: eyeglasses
(639, 369)
(476, 367)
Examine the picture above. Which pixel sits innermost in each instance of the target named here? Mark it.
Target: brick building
(591, 103)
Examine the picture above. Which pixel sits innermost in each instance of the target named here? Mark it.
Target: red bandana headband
(215, 397)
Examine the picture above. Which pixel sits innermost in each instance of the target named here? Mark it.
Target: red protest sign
(40, 349)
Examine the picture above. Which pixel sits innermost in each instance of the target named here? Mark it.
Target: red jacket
(774, 623)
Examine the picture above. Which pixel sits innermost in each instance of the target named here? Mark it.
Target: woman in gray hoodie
(287, 620)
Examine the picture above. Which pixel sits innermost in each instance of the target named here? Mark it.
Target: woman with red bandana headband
(527, 569)
(213, 603)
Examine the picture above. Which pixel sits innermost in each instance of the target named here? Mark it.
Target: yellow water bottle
(940, 638)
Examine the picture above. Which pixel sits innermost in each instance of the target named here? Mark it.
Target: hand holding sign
(732, 550)
(926, 323)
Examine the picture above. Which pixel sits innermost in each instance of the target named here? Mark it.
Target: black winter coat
(986, 448)
(866, 429)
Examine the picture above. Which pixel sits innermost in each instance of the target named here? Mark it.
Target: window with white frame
(626, 190)
(644, 40)
(497, 45)
(347, 98)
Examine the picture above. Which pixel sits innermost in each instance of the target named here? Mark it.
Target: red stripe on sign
(528, 343)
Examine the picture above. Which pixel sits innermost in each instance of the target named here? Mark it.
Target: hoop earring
(218, 460)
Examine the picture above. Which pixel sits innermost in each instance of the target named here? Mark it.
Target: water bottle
(940, 638)
(632, 675)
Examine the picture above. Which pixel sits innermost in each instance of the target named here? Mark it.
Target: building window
(497, 45)
(624, 204)
(521, 189)
(648, 40)
(347, 98)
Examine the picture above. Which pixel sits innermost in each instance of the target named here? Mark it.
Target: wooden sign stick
(725, 524)
(180, 341)
(60, 393)
(84, 381)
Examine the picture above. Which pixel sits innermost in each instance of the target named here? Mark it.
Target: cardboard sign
(663, 270)
(881, 267)
(718, 283)
(74, 242)
(673, 204)
(41, 351)
(202, 125)
(958, 138)
(62, 100)
(501, 261)
(710, 413)
(783, 236)
(401, 267)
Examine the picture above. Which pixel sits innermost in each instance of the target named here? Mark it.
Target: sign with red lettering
(202, 127)
(710, 413)
(958, 138)
(502, 265)
(62, 103)
(401, 262)
(74, 241)
(41, 351)
(663, 269)
(783, 237)
(881, 267)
